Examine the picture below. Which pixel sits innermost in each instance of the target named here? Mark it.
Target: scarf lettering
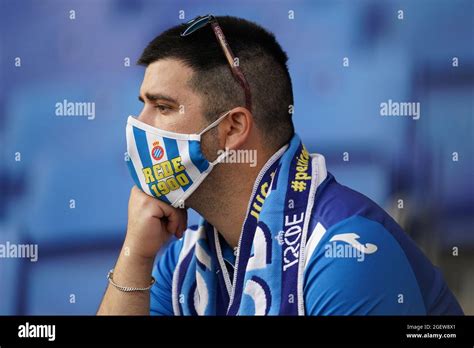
(291, 240)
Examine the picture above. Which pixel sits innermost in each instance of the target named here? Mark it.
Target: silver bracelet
(127, 288)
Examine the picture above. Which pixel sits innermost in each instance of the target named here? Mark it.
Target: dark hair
(261, 58)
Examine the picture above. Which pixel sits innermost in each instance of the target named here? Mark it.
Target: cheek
(210, 144)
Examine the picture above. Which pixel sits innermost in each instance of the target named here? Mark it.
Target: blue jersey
(358, 262)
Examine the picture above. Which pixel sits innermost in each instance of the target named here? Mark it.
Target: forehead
(169, 77)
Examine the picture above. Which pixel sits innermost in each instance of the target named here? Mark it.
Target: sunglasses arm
(238, 75)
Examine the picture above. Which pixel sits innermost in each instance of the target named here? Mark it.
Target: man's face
(169, 103)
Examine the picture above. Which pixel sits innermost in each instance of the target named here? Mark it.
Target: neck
(225, 206)
(223, 198)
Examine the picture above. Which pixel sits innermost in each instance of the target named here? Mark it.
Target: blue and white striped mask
(167, 165)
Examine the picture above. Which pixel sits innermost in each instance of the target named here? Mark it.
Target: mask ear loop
(212, 125)
(220, 158)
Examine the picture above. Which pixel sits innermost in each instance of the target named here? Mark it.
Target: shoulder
(336, 202)
(352, 247)
(364, 263)
(359, 268)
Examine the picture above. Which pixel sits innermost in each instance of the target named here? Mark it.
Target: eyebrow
(157, 96)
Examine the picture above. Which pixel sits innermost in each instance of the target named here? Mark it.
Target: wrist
(128, 288)
(132, 269)
(139, 251)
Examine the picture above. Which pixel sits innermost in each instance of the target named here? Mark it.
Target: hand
(151, 223)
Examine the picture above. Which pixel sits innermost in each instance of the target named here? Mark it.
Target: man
(281, 237)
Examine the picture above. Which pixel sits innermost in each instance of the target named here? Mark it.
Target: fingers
(174, 219)
(183, 223)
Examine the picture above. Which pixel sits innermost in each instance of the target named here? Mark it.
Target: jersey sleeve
(359, 268)
(160, 294)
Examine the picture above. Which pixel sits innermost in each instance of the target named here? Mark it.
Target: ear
(235, 129)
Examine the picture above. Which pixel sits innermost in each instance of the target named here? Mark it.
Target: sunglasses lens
(195, 24)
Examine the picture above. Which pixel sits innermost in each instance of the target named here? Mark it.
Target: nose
(146, 116)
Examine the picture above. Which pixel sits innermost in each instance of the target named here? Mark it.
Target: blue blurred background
(68, 192)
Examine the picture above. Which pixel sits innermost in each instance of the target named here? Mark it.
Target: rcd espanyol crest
(157, 151)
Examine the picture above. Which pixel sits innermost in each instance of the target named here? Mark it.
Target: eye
(162, 107)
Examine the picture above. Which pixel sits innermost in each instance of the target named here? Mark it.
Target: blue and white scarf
(269, 269)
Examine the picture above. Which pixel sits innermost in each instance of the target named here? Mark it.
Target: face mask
(167, 165)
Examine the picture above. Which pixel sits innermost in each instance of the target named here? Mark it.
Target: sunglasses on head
(200, 22)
